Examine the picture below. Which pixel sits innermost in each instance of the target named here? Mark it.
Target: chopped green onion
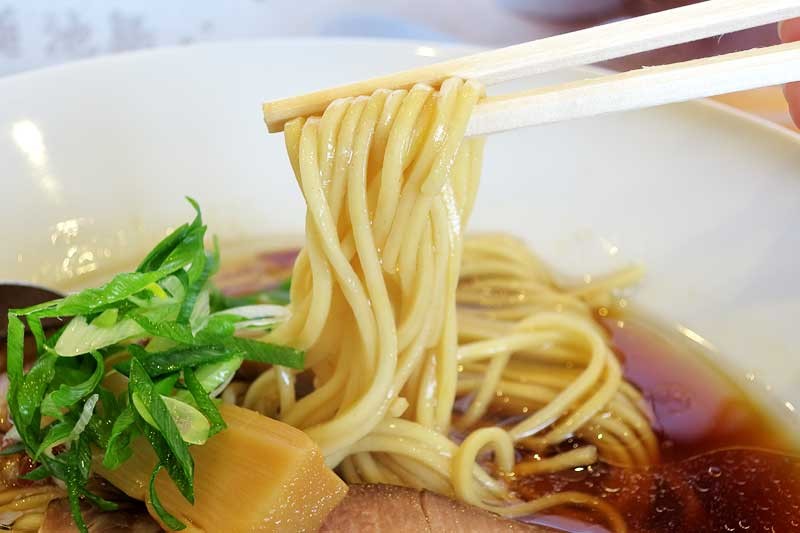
(169, 520)
(167, 440)
(176, 359)
(264, 352)
(118, 449)
(214, 377)
(67, 432)
(66, 396)
(166, 305)
(35, 325)
(203, 402)
(107, 318)
(80, 337)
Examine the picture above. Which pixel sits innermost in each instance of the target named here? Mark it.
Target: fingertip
(792, 92)
(789, 30)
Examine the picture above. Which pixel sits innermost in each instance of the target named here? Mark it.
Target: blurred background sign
(38, 33)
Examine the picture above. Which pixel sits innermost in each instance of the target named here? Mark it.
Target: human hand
(790, 31)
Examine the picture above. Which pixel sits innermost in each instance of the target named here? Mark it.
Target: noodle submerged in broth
(719, 454)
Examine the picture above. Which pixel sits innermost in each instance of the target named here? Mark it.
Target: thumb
(789, 30)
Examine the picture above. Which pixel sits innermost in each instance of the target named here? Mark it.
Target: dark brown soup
(725, 465)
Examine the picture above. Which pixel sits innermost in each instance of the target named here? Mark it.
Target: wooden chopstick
(646, 87)
(600, 43)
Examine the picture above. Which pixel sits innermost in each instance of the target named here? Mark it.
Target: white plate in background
(96, 156)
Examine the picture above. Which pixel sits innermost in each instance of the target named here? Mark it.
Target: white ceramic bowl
(95, 158)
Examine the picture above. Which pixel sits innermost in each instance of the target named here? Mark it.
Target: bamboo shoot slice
(257, 475)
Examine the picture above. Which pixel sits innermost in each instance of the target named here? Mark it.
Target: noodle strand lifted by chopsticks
(399, 315)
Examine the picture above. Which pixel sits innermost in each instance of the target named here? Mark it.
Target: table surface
(38, 33)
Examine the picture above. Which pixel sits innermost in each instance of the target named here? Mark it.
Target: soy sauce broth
(697, 407)
(726, 464)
